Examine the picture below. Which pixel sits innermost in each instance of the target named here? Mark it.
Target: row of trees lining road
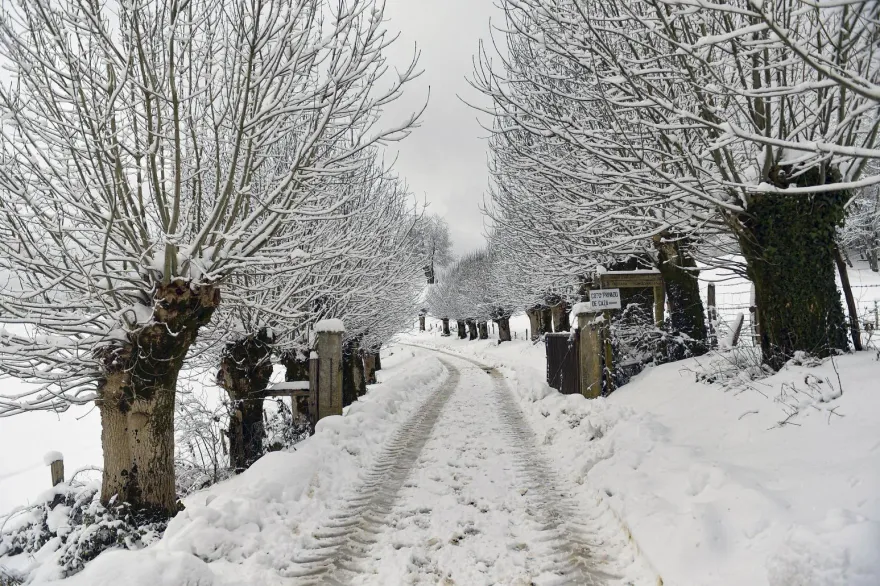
(667, 130)
(168, 164)
(473, 290)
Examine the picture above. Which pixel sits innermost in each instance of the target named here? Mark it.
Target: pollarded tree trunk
(421, 323)
(533, 314)
(561, 322)
(471, 328)
(462, 329)
(446, 331)
(353, 382)
(245, 370)
(788, 243)
(377, 357)
(546, 320)
(503, 329)
(680, 275)
(483, 329)
(137, 395)
(370, 367)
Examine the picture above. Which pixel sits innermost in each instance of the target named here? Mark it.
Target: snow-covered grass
(712, 488)
(243, 530)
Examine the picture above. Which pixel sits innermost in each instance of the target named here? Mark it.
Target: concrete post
(590, 349)
(329, 347)
(314, 368)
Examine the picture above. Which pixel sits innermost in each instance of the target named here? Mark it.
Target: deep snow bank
(244, 530)
(713, 490)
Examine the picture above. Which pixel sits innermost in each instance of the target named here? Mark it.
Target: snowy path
(461, 495)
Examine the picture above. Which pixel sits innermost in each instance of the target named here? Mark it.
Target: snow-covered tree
(666, 121)
(133, 140)
(433, 244)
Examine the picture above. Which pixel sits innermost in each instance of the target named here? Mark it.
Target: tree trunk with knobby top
(471, 328)
(483, 329)
(503, 329)
(546, 320)
(245, 370)
(680, 274)
(446, 331)
(561, 321)
(461, 329)
(533, 314)
(788, 243)
(370, 367)
(136, 398)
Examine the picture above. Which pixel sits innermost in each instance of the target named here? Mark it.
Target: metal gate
(562, 362)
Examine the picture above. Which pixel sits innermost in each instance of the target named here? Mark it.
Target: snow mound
(50, 457)
(330, 325)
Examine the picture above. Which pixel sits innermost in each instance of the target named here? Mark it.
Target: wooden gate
(562, 362)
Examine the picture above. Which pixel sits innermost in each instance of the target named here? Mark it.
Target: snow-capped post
(55, 462)
(591, 360)
(329, 347)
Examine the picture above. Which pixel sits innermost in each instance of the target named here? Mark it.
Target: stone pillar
(591, 350)
(329, 348)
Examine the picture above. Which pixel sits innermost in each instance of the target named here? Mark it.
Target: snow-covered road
(461, 494)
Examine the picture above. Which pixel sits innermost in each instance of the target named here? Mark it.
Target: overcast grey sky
(444, 161)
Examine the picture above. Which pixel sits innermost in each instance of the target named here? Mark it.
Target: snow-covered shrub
(283, 429)
(70, 527)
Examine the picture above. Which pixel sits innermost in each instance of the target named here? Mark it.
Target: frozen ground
(451, 473)
(714, 491)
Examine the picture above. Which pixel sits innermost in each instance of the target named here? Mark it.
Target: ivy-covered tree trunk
(788, 244)
(245, 370)
(503, 329)
(136, 398)
(483, 329)
(561, 321)
(471, 328)
(446, 331)
(680, 274)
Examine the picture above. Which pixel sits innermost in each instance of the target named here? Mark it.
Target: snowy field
(708, 484)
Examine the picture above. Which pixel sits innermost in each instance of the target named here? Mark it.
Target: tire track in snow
(583, 548)
(343, 543)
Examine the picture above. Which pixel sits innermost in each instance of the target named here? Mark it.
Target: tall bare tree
(133, 139)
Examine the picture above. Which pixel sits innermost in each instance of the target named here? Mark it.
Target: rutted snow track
(462, 495)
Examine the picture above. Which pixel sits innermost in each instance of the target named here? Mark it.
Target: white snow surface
(245, 530)
(712, 489)
(330, 325)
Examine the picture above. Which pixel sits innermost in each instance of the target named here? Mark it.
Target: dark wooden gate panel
(562, 362)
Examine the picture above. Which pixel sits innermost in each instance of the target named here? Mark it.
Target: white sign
(605, 299)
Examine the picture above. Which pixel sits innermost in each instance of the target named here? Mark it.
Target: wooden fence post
(55, 462)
